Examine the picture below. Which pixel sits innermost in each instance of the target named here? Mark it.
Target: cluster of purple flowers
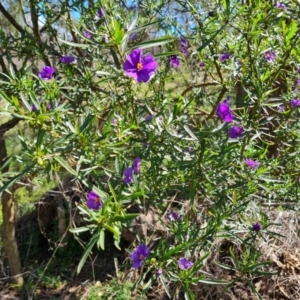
(139, 255)
(47, 72)
(138, 67)
(224, 112)
(134, 169)
(93, 201)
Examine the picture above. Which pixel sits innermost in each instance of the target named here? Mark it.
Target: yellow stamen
(139, 66)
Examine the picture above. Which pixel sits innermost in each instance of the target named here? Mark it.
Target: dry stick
(23, 13)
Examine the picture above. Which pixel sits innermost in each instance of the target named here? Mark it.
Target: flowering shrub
(123, 119)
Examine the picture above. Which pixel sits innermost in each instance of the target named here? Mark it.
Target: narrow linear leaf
(87, 252)
(65, 165)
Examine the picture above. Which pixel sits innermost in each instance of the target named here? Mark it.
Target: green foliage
(93, 119)
(113, 289)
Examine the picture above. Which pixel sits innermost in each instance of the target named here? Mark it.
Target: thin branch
(35, 22)
(23, 13)
(11, 19)
(198, 86)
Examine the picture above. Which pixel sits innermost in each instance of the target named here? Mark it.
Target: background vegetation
(211, 210)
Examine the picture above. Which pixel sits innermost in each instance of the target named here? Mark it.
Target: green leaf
(100, 241)
(191, 134)
(16, 178)
(152, 43)
(171, 252)
(292, 30)
(166, 54)
(124, 218)
(79, 229)
(162, 280)
(65, 165)
(87, 252)
(213, 281)
(84, 46)
(207, 42)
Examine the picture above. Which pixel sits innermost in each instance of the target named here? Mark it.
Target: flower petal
(134, 58)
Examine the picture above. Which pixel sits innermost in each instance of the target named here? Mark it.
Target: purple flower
(133, 37)
(201, 64)
(138, 67)
(33, 108)
(87, 34)
(159, 271)
(128, 176)
(224, 57)
(184, 264)
(47, 73)
(281, 108)
(173, 216)
(256, 227)
(100, 13)
(270, 56)
(298, 81)
(136, 165)
(295, 102)
(49, 106)
(174, 61)
(94, 201)
(235, 132)
(139, 255)
(224, 112)
(298, 71)
(280, 5)
(184, 45)
(251, 163)
(149, 117)
(67, 59)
